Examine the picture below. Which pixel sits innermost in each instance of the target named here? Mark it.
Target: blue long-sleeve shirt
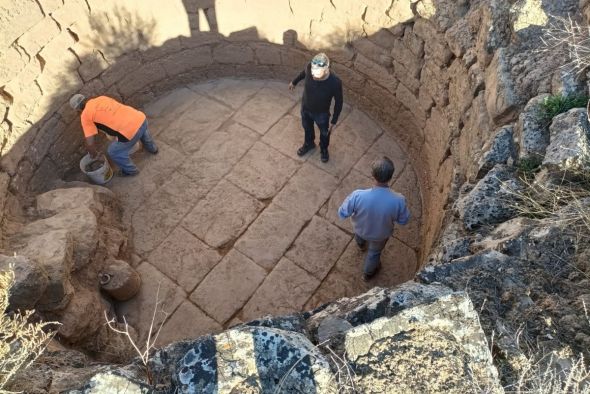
(374, 212)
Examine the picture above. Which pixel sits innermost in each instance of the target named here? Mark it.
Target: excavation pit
(231, 225)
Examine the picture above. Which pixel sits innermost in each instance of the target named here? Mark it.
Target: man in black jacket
(321, 85)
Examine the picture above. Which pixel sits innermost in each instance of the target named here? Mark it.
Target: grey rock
(499, 151)
(331, 328)
(30, 281)
(113, 381)
(491, 201)
(532, 129)
(569, 147)
(53, 251)
(254, 359)
(431, 347)
(567, 83)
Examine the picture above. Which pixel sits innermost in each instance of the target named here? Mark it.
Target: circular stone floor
(230, 225)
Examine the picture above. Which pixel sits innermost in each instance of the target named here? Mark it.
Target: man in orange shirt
(117, 120)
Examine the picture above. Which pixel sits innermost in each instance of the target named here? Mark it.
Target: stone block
(460, 37)
(499, 150)
(450, 322)
(124, 66)
(45, 138)
(267, 54)
(436, 82)
(199, 39)
(236, 272)
(263, 171)
(376, 72)
(84, 228)
(187, 322)
(385, 145)
(233, 54)
(70, 13)
(163, 210)
(39, 35)
(17, 17)
(532, 131)
(30, 281)
(48, 6)
(169, 47)
(186, 60)
(502, 99)
(267, 239)
(26, 94)
(284, 291)
(43, 177)
(12, 62)
(406, 78)
(140, 78)
(384, 38)
(402, 55)
(275, 106)
(83, 316)
(353, 79)
(410, 101)
(119, 280)
(157, 293)
(222, 215)
(53, 251)
(93, 64)
(184, 258)
(4, 181)
(318, 247)
(306, 191)
(569, 147)
(372, 51)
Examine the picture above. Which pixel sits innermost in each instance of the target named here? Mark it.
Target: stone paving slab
(267, 239)
(285, 290)
(187, 322)
(163, 211)
(345, 279)
(384, 146)
(318, 247)
(306, 191)
(198, 122)
(410, 233)
(358, 130)
(399, 263)
(171, 104)
(232, 92)
(139, 310)
(184, 258)
(287, 136)
(228, 286)
(222, 215)
(355, 180)
(263, 171)
(264, 110)
(342, 157)
(154, 171)
(218, 154)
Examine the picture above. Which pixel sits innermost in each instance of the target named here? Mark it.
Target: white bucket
(100, 176)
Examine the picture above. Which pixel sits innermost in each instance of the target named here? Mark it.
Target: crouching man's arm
(403, 216)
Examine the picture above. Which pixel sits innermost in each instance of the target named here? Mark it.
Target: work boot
(325, 156)
(369, 276)
(305, 148)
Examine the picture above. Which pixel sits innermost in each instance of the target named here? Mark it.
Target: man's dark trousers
(323, 122)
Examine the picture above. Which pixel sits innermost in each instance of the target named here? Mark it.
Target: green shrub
(558, 104)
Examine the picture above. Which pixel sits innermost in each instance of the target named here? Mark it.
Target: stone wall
(419, 69)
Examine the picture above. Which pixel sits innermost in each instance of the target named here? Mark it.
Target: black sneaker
(304, 149)
(325, 156)
(362, 246)
(367, 277)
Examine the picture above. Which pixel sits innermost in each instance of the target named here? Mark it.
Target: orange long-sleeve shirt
(111, 117)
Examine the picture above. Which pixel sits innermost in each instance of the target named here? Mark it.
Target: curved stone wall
(417, 68)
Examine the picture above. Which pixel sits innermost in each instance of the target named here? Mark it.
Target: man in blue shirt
(374, 212)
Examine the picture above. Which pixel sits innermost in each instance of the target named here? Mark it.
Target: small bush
(21, 341)
(558, 104)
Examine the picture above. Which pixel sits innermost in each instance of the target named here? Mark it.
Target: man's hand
(291, 86)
